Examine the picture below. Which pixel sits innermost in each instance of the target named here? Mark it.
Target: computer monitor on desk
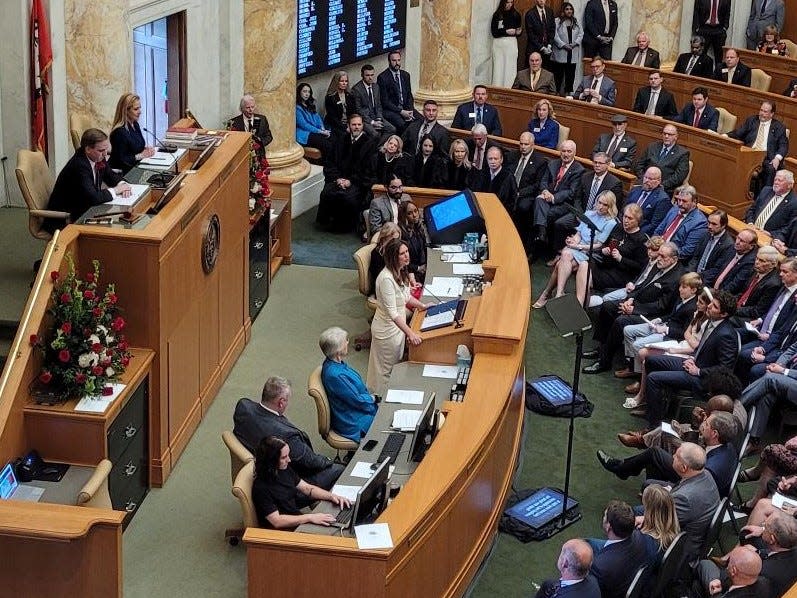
(448, 219)
(168, 194)
(204, 156)
(425, 431)
(372, 497)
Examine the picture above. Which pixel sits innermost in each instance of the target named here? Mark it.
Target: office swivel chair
(239, 458)
(242, 490)
(315, 388)
(362, 258)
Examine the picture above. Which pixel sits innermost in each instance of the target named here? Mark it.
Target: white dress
(387, 339)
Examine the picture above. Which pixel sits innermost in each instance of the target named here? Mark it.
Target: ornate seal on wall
(211, 241)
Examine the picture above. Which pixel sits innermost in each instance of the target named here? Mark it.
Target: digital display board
(334, 33)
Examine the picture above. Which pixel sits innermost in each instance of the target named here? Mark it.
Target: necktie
(691, 64)
(727, 269)
(595, 83)
(479, 115)
(762, 218)
(520, 168)
(424, 131)
(774, 311)
(643, 198)
(534, 77)
(613, 147)
(763, 7)
(639, 58)
(370, 97)
(760, 142)
(97, 176)
(593, 192)
(654, 98)
(696, 120)
(560, 175)
(704, 337)
(663, 152)
(397, 79)
(713, 20)
(706, 254)
(606, 17)
(544, 28)
(670, 230)
(730, 75)
(479, 154)
(748, 291)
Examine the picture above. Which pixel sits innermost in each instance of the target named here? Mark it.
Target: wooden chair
(95, 492)
(760, 80)
(362, 258)
(239, 454)
(242, 490)
(315, 388)
(791, 47)
(564, 134)
(36, 184)
(727, 121)
(688, 174)
(78, 123)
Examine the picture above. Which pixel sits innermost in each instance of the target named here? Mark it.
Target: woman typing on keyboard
(279, 494)
(352, 406)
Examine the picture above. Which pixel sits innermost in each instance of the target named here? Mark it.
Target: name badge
(501, 24)
(623, 150)
(724, 70)
(537, 129)
(471, 115)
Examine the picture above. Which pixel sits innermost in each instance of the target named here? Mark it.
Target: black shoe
(595, 368)
(590, 354)
(610, 464)
(540, 235)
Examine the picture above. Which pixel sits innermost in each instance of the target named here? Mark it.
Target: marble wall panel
(662, 20)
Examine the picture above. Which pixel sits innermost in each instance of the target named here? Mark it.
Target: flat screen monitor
(168, 194)
(204, 156)
(425, 431)
(372, 497)
(448, 219)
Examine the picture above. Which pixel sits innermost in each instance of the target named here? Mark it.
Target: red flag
(41, 59)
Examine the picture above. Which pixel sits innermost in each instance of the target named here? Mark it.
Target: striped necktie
(771, 206)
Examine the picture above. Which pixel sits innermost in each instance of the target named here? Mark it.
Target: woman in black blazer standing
(127, 143)
(339, 104)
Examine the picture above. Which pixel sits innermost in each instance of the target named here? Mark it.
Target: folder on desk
(162, 160)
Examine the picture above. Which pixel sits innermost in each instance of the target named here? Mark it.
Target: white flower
(88, 359)
(94, 339)
(102, 329)
(109, 372)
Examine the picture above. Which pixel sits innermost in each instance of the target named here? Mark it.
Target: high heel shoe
(541, 301)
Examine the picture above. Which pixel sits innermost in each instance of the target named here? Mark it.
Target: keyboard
(392, 446)
(344, 516)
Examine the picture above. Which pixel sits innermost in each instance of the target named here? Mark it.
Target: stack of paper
(136, 193)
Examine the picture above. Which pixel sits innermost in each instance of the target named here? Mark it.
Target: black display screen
(334, 33)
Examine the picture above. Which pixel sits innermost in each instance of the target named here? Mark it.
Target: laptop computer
(11, 489)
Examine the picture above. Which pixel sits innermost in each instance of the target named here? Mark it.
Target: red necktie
(727, 269)
(746, 295)
(697, 118)
(712, 20)
(673, 225)
(560, 174)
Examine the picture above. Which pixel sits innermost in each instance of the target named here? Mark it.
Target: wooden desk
(782, 69)
(722, 166)
(738, 100)
(444, 519)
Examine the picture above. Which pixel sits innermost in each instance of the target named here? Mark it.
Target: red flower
(66, 298)
(45, 377)
(87, 332)
(112, 298)
(118, 323)
(125, 360)
(96, 312)
(97, 370)
(123, 345)
(80, 378)
(107, 391)
(66, 327)
(34, 339)
(90, 277)
(96, 347)
(55, 275)
(88, 294)
(64, 355)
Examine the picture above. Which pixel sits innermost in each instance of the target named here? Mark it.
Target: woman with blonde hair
(459, 166)
(339, 103)
(127, 143)
(660, 524)
(544, 126)
(392, 161)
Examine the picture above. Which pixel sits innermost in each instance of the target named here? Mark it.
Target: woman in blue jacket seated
(544, 126)
(310, 129)
(352, 406)
(127, 143)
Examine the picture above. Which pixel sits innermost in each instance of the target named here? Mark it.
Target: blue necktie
(479, 115)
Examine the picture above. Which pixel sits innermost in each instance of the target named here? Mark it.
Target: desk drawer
(128, 481)
(130, 423)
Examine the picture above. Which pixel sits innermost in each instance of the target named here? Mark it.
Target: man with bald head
(561, 185)
(528, 168)
(744, 568)
(652, 198)
(535, 78)
(671, 158)
(575, 580)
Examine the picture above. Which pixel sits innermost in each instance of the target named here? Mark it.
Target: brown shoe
(641, 412)
(632, 440)
(632, 388)
(625, 373)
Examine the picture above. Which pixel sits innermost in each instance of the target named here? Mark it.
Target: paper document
(372, 536)
(780, 501)
(437, 320)
(750, 327)
(99, 404)
(456, 258)
(162, 160)
(136, 193)
(651, 322)
(668, 429)
(406, 419)
(465, 269)
(349, 492)
(451, 248)
(362, 469)
(407, 397)
(440, 371)
(444, 286)
(664, 345)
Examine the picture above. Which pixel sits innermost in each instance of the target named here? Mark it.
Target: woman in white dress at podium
(389, 327)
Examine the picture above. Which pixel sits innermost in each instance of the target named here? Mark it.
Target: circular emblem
(211, 241)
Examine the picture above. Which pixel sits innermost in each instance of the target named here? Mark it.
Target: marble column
(662, 20)
(445, 54)
(98, 56)
(270, 76)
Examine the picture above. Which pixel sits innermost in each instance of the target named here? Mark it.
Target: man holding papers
(86, 180)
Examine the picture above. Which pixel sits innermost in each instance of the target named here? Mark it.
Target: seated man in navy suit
(772, 140)
(736, 273)
(616, 561)
(597, 88)
(684, 224)
(714, 250)
(575, 560)
(718, 347)
(255, 421)
(671, 158)
(652, 198)
(775, 208)
(699, 113)
(478, 112)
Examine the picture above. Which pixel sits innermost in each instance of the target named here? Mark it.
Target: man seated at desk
(254, 421)
(85, 180)
(654, 100)
(699, 113)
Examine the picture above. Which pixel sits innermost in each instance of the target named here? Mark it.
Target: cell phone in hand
(612, 244)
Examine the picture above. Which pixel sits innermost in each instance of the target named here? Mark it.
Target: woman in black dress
(413, 233)
(429, 168)
(278, 493)
(459, 167)
(339, 104)
(126, 139)
(391, 160)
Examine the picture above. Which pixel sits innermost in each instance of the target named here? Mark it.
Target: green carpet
(315, 247)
